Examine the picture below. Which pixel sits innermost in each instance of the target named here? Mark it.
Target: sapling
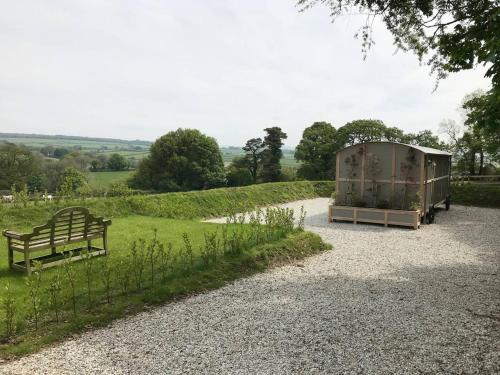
(137, 253)
(69, 271)
(106, 272)
(124, 275)
(33, 282)
(302, 219)
(88, 270)
(54, 290)
(188, 248)
(9, 310)
(151, 255)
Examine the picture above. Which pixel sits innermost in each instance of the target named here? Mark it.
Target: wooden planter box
(375, 216)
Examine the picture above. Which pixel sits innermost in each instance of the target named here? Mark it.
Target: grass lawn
(100, 180)
(182, 277)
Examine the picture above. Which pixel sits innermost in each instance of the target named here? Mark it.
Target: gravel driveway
(384, 301)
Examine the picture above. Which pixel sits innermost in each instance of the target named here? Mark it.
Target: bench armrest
(14, 235)
(106, 222)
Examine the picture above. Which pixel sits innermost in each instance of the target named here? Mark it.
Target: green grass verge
(189, 205)
(481, 195)
(227, 268)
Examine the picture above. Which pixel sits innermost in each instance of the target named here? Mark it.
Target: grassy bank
(481, 195)
(189, 205)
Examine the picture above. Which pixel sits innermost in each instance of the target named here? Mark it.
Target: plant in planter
(383, 204)
(373, 171)
(407, 169)
(352, 163)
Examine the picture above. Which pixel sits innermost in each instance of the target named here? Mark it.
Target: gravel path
(384, 301)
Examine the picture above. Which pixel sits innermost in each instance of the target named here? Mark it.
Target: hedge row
(472, 194)
(188, 205)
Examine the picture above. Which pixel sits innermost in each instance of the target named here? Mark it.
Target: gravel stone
(383, 301)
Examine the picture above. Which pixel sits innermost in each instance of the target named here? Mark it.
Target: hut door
(431, 168)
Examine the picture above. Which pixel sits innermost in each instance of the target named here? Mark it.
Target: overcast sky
(137, 69)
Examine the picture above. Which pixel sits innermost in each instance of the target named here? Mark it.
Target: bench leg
(53, 250)
(105, 241)
(27, 262)
(10, 253)
(89, 245)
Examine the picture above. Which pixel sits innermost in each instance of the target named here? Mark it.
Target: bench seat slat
(59, 242)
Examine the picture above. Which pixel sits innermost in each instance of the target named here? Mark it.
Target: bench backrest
(67, 225)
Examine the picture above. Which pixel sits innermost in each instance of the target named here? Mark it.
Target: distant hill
(136, 148)
(50, 139)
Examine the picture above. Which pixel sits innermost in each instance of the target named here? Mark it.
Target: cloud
(137, 69)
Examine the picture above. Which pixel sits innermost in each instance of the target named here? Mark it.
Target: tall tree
(271, 165)
(253, 156)
(316, 151)
(425, 138)
(181, 160)
(360, 131)
(117, 162)
(17, 164)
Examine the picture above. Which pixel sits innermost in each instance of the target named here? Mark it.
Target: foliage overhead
(451, 35)
(181, 160)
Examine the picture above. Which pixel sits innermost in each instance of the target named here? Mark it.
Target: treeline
(316, 151)
(22, 169)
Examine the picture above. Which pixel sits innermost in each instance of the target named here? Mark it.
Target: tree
(72, 180)
(425, 138)
(17, 164)
(239, 172)
(453, 35)
(253, 155)
(360, 131)
(316, 151)
(117, 162)
(271, 165)
(181, 160)
(60, 152)
(483, 119)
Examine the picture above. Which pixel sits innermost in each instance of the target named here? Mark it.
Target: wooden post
(337, 174)
(363, 157)
(393, 170)
(105, 239)
(385, 218)
(10, 252)
(423, 183)
(355, 214)
(27, 257)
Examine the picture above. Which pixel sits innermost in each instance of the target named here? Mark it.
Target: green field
(102, 180)
(130, 149)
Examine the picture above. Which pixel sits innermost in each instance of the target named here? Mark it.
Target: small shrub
(33, 282)
(9, 310)
(151, 256)
(70, 273)
(124, 273)
(138, 261)
(106, 270)
(54, 291)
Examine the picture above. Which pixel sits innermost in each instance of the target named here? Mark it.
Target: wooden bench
(68, 226)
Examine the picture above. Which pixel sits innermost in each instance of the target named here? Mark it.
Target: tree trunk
(481, 162)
